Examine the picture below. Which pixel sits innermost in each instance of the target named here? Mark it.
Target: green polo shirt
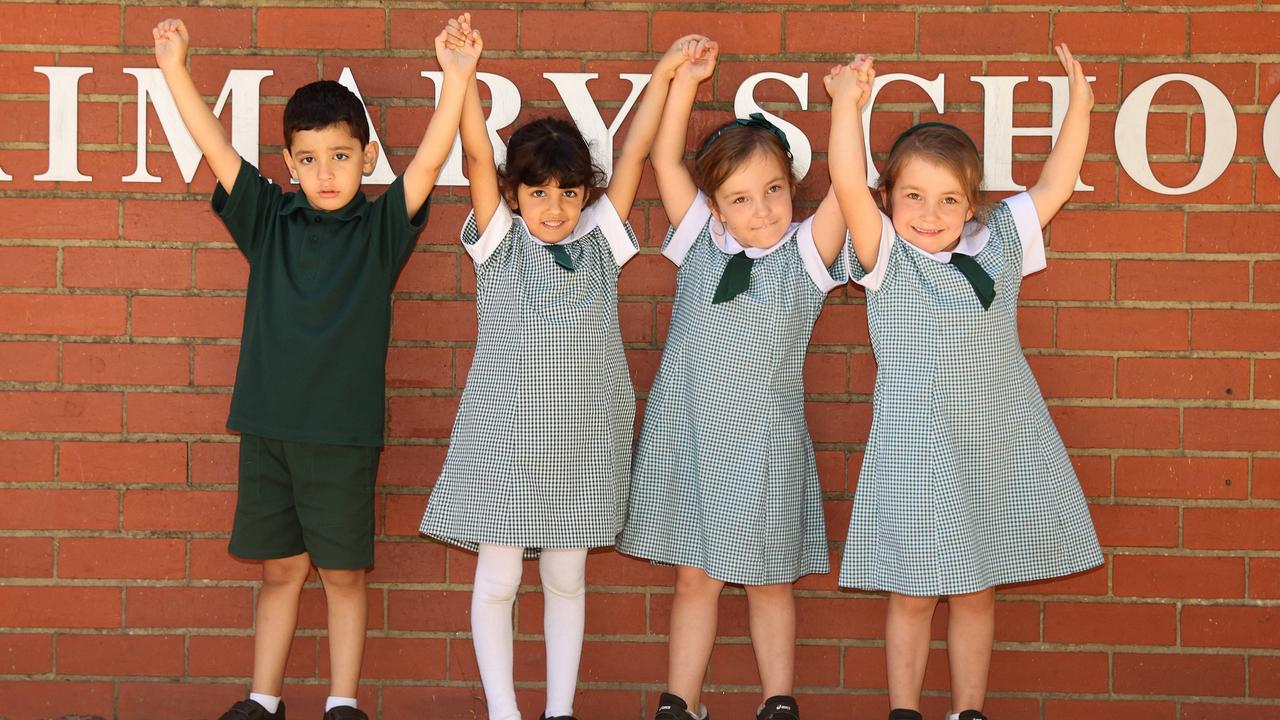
(318, 313)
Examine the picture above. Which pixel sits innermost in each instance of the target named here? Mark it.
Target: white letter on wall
(1271, 136)
(64, 111)
(998, 130)
(382, 173)
(935, 88)
(1219, 134)
(744, 104)
(582, 108)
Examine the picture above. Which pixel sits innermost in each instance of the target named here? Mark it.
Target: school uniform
(965, 483)
(540, 454)
(724, 477)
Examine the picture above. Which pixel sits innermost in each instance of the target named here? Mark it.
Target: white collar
(586, 223)
(973, 239)
(730, 245)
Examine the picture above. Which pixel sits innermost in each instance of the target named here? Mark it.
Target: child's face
(754, 203)
(929, 204)
(550, 211)
(328, 163)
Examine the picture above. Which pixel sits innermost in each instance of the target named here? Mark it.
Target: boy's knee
(342, 579)
(286, 571)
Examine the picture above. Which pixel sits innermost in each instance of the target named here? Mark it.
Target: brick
(43, 699)
(1231, 528)
(1094, 474)
(1110, 624)
(231, 656)
(125, 558)
(210, 560)
(430, 367)
(1121, 329)
(313, 610)
(1231, 232)
(1231, 429)
(1227, 626)
(1073, 376)
(25, 654)
(1266, 282)
(1257, 330)
(1117, 427)
(1264, 577)
(216, 365)
(1264, 676)
(983, 33)
(1167, 674)
(839, 325)
(172, 221)
(613, 31)
(59, 412)
(1129, 33)
(24, 557)
(214, 462)
(60, 25)
(403, 514)
(438, 320)
(1118, 231)
(411, 465)
(348, 28)
(430, 272)
(221, 270)
(1234, 32)
(28, 267)
(62, 314)
(838, 421)
(182, 607)
(211, 27)
(1042, 672)
(432, 610)
(1209, 378)
(31, 509)
(1199, 478)
(744, 32)
(169, 413)
(1069, 709)
(124, 364)
(1067, 279)
(1185, 281)
(1136, 525)
(1235, 186)
(59, 218)
(28, 361)
(421, 417)
(16, 76)
(129, 655)
(408, 562)
(415, 29)
(159, 700)
(180, 510)
(101, 462)
(60, 607)
(1176, 576)
(648, 275)
(202, 317)
(151, 268)
(837, 32)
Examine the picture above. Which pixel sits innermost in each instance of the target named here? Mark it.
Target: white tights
(498, 574)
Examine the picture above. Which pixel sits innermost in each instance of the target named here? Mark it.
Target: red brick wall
(1155, 334)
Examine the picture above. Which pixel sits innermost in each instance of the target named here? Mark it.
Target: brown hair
(941, 144)
(727, 148)
(546, 149)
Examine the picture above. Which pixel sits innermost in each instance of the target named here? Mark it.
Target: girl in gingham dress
(724, 484)
(965, 483)
(539, 460)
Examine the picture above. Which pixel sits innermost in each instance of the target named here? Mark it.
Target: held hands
(458, 46)
(171, 44)
(700, 55)
(676, 55)
(1081, 96)
(853, 81)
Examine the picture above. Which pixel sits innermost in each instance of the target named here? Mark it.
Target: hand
(171, 44)
(1081, 92)
(700, 59)
(853, 81)
(676, 56)
(458, 46)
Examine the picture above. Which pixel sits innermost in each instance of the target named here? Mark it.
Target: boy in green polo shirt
(309, 395)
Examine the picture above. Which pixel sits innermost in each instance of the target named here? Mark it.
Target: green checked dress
(965, 483)
(540, 455)
(724, 477)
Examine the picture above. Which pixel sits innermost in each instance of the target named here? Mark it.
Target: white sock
(270, 702)
(564, 591)
(497, 579)
(953, 716)
(334, 701)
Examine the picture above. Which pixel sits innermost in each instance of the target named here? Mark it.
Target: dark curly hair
(549, 148)
(321, 104)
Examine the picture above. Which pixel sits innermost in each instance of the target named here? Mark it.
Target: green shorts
(302, 497)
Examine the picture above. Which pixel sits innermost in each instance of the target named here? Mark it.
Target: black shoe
(345, 712)
(972, 715)
(904, 714)
(251, 710)
(672, 707)
(779, 707)
(557, 717)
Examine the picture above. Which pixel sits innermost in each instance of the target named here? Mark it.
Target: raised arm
(629, 166)
(171, 56)
(675, 184)
(850, 89)
(1058, 178)
(458, 61)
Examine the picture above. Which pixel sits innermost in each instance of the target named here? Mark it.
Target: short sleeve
(252, 199)
(825, 278)
(1030, 235)
(617, 232)
(872, 280)
(480, 246)
(680, 239)
(397, 233)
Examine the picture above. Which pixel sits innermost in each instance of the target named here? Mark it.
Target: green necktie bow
(983, 286)
(735, 280)
(561, 256)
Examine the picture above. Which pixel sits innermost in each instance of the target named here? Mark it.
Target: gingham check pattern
(724, 477)
(965, 483)
(541, 449)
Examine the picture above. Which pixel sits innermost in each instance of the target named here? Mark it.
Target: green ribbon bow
(561, 256)
(735, 279)
(983, 286)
